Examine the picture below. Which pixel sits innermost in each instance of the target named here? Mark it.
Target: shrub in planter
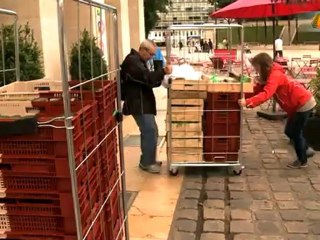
(30, 54)
(99, 64)
(312, 128)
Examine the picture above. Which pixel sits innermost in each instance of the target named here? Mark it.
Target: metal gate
(108, 14)
(3, 69)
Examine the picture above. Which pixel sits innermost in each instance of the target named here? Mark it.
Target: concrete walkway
(267, 202)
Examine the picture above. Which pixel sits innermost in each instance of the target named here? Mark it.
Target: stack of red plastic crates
(35, 185)
(222, 127)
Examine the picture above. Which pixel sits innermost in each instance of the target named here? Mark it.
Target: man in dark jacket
(137, 82)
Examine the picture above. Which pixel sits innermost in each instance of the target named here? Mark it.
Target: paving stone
(193, 185)
(296, 227)
(262, 205)
(283, 196)
(297, 237)
(237, 179)
(315, 228)
(239, 195)
(191, 194)
(301, 187)
(188, 204)
(211, 186)
(241, 214)
(267, 215)
(245, 237)
(212, 213)
(298, 179)
(269, 227)
(186, 225)
(314, 179)
(278, 187)
(275, 165)
(214, 204)
(292, 215)
(261, 195)
(258, 186)
(190, 214)
(316, 187)
(195, 178)
(216, 179)
(184, 236)
(287, 205)
(269, 160)
(212, 236)
(213, 226)
(216, 195)
(241, 226)
(308, 196)
(237, 187)
(242, 204)
(254, 172)
(272, 237)
(312, 205)
(313, 215)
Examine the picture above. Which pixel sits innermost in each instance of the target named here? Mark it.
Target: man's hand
(242, 102)
(168, 69)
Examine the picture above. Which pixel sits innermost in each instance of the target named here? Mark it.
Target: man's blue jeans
(294, 130)
(149, 138)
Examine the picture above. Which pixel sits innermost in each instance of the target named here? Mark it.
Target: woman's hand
(242, 102)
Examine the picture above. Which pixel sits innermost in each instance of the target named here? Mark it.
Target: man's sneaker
(154, 168)
(297, 164)
(310, 152)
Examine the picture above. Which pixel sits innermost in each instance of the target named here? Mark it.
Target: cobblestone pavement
(267, 202)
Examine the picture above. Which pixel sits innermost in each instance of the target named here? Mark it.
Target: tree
(220, 3)
(98, 63)
(30, 54)
(151, 9)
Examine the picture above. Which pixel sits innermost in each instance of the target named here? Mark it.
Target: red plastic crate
(224, 145)
(13, 236)
(37, 225)
(222, 129)
(216, 157)
(223, 117)
(222, 101)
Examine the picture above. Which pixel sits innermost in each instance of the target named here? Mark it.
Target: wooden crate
(230, 87)
(198, 134)
(186, 126)
(176, 94)
(183, 155)
(189, 102)
(189, 85)
(187, 142)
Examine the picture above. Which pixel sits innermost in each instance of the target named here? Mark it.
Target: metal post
(68, 117)
(16, 42)
(121, 153)
(17, 49)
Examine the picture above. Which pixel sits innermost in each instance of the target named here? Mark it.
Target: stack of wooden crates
(184, 122)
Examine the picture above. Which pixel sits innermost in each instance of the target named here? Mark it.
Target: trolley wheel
(173, 171)
(237, 172)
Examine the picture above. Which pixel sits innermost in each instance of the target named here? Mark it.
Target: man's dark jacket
(136, 85)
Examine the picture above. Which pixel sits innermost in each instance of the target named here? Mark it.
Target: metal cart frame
(68, 114)
(16, 47)
(173, 166)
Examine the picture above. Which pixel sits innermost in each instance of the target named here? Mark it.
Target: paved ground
(267, 202)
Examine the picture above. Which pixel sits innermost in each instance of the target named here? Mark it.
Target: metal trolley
(185, 141)
(106, 18)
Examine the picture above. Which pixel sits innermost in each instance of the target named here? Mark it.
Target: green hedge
(251, 34)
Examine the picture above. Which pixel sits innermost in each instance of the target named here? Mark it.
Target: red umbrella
(266, 8)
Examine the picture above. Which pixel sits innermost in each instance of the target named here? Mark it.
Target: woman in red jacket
(292, 97)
